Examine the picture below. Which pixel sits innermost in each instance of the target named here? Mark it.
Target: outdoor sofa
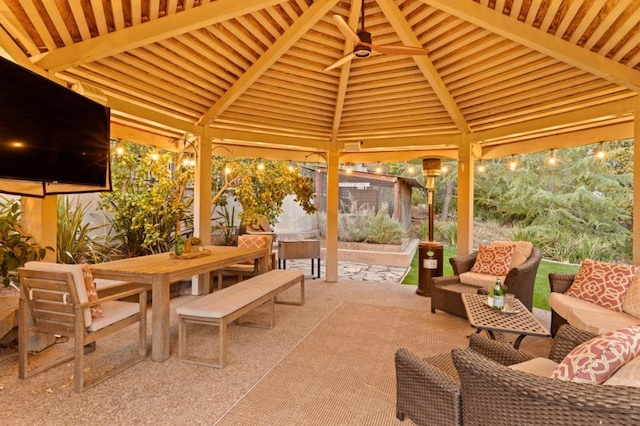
(476, 386)
(602, 297)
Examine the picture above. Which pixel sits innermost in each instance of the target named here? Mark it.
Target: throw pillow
(631, 302)
(521, 253)
(596, 360)
(252, 241)
(493, 260)
(92, 291)
(602, 283)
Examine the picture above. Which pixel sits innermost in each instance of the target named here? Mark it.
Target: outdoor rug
(342, 372)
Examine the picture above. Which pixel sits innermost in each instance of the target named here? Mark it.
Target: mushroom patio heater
(430, 252)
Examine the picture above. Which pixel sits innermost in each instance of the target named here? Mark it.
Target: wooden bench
(229, 304)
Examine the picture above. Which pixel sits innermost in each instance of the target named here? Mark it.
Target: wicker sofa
(474, 386)
(446, 291)
(579, 313)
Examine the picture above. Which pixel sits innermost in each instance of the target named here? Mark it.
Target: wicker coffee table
(483, 317)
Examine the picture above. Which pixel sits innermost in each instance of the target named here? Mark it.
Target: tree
(148, 197)
(260, 187)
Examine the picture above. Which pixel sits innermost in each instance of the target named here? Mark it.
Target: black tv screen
(49, 133)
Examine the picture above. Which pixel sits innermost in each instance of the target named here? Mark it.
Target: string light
(119, 151)
(227, 170)
(513, 164)
(291, 168)
(378, 169)
(261, 166)
(601, 153)
(444, 169)
(552, 160)
(349, 169)
(155, 156)
(411, 170)
(482, 167)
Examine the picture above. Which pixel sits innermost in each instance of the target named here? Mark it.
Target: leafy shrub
(76, 241)
(16, 246)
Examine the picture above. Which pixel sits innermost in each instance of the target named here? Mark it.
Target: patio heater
(430, 252)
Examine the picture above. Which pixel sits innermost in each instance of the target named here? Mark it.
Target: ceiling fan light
(362, 51)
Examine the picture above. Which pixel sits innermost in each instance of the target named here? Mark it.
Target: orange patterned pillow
(603, 283)
(494, 260)
(252, 241)
(92, 292)
(596, 360)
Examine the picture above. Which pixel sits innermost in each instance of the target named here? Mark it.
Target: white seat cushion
(627, 375)
(114, 311)
(589, 316)
(600, 322)
(542, 367)
(479, 280)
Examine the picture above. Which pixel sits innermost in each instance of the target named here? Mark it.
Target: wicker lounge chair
(473, 387)
(445, 291)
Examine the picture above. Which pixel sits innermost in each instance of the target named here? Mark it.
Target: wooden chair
(249, 269)
(55, 297)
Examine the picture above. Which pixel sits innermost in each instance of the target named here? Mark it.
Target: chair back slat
(51, 297)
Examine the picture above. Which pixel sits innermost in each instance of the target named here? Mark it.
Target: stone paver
(353, 271)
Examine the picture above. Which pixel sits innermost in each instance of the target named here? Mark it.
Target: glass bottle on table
(178, 245)
(498, 295)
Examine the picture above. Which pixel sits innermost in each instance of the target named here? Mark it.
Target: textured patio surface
(176, 393)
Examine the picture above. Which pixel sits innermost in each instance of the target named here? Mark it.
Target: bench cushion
(230, 299)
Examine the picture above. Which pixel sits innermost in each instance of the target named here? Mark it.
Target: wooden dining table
(160, 270)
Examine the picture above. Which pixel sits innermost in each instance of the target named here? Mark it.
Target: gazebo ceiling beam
(408, 37)
(298, 29)
(149, 32)
(345, 70)
(540, 41)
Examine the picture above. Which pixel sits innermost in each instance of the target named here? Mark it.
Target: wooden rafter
(408, 37)
(279, 48)
(149, 32)
(354, 13)
(541, 41)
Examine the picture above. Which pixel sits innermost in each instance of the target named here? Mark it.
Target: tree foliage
(580, 207)
(148, 197)
(16, 246)
(260, 190)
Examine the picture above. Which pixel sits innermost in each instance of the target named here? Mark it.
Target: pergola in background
(503, 77)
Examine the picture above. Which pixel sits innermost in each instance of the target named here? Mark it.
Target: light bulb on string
(552, 160)
(261, 166)
(227, 170)
(349, 169)
(482, 167)
(411, 170)
(378, 169)
(444, 169)
(155, 156)
(601, 154)
(119, 150)
(513, 164)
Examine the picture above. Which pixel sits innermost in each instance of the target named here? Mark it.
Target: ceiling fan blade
(340, 62)
(346, 30)
(390, 49)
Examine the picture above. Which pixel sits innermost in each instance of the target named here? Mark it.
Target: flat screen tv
(50, 134)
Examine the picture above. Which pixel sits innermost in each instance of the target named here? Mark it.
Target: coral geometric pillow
(92, 291)
(596, 360)
(493, 260)
(253, 241)
(603, 283)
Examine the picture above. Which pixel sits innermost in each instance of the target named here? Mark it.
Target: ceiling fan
(362, 46)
